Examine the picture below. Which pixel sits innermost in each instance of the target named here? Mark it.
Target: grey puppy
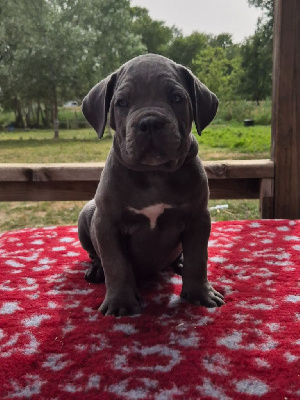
(151, 202)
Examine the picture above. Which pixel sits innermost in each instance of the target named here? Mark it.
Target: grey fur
(151, 202)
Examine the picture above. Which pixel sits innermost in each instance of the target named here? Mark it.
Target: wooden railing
(249, 179)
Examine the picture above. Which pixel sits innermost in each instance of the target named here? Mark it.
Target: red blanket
(54, 344)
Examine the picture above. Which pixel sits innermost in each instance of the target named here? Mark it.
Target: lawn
(216, 142)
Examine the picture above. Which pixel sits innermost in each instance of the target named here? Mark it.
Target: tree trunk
(19, 115)
(38, 114)
(55, 116)
(45, 115)
(27, 116)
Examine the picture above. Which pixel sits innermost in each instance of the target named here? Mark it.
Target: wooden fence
(250, 179)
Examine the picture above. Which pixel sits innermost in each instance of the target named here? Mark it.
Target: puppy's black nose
(150, 124)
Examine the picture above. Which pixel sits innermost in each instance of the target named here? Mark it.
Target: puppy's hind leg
(95, 273)
(177, 265)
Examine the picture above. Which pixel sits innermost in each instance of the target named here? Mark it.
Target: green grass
(39, 146)
(17, 215)
(217, 142)
(253, 141)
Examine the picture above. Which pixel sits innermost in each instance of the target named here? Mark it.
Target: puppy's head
(152, 103)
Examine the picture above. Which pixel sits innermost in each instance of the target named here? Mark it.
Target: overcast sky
(209, 16)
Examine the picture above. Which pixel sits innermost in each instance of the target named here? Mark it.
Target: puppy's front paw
(202, 295)
(121, 304)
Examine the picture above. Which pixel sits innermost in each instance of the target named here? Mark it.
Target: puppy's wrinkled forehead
(140, 74)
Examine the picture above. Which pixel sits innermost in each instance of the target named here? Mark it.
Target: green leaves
(52, 51)
(216, 70)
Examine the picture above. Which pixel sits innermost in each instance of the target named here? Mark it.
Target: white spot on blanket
(55, 363)
(60, 248)
(32, 387)
(232, 341)
(37, 242)
(216, 364)
(10, 307)
(255, 225)
(71, 254)
(67, 240)
(210, 390)
(262, 363)
(273, 326)
(41, 268)
(46, 261)
(184, 340)
(140, 392)
(35, 320)
(14, 264)
(125, 328)
(52, 304)
(283, 228)
(291, 238)
(290, 357)
(169, 394)
(218, 259)
(292, 298)
(94, 382)
(170, 356)
(252, 387)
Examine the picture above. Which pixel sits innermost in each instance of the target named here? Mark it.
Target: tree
(15, 26)
(185, 49)
(223, 40)
(156, 36)
(52, 59)
(266, 5)
(256, 78)
(51, 50)
(267, 22)
(115, 41)
(216, 71)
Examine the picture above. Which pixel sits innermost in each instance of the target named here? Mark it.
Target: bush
(238, 111)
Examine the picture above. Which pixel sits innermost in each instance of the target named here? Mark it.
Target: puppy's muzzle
(153, 139)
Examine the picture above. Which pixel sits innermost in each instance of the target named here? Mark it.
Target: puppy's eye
(176, 98)
(122, 103)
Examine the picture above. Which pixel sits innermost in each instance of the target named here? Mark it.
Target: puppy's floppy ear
(204, 102)
(96, 103)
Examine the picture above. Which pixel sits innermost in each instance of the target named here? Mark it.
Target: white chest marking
(152, 212)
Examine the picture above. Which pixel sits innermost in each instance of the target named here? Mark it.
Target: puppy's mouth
(152, 159)
(168, 164)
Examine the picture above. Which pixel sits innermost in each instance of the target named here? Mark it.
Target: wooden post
(286, 109)
(266, 198)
